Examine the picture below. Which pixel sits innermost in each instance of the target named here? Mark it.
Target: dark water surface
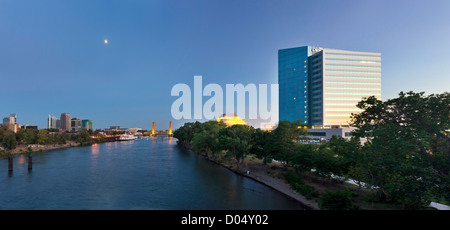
(149, 173)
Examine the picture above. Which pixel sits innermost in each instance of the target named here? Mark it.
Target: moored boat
(127, 137)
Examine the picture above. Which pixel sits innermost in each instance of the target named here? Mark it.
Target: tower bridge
(162, 132)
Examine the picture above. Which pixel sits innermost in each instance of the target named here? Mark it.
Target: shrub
(298, 185)
(338, 200)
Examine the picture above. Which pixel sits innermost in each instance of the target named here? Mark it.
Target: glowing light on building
(231, 119)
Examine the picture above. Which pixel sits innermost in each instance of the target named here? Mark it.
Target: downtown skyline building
(12, 119)
(76, 124)
(86, 125)
(53, 122)
(321, 86)
(65, 122)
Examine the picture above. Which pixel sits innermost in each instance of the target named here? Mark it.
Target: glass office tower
(321, 86)
(52, 122)
(86, 125)
(293, 84)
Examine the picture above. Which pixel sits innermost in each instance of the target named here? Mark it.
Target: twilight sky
(53, 58)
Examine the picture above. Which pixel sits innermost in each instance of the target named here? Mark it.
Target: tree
(338, 200)
(345, 153)
(281, 144)
(259, 139)
(304, 158)
(326, 162)
(185, 133)
(207, 140)
(83, 137)
(8, 140)
(407, 155)
(30, 136)
(237, 140)
(43, 137)
(61, 138)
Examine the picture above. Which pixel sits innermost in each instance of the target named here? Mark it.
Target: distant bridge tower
(153, 129)
(162, 132)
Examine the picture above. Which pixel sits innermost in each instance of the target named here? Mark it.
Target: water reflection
(148, 173)
(22, 160)
(21, 163)
(95, 149)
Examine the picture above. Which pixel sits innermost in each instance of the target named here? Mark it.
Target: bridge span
(162, 132)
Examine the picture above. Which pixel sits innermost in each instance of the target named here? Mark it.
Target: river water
(144, 174)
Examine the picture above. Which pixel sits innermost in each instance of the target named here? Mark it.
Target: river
(144, 174)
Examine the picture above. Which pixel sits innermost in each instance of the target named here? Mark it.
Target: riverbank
(27, 149)
(272, 175)
(266, 174)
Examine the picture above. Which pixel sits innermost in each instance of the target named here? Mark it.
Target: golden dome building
(231, 119)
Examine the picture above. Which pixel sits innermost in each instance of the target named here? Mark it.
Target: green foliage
(61, 138)
(43, 137)
(298, 185)
(101, 138)
(282, 141)
(304, 158)
(407, 155)
(83, 137)
(259, 139)
(30, 136)
(8, 140)
(185, 133)
(346, 153)
(236, 140)
(207, 140)
(338, 200)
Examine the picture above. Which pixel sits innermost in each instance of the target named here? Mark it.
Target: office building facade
(86, 125)
(76, 124)
(321, 86)
(293, 84)
(52, 122)
(12, 119)
(5, 121)
(65, 122)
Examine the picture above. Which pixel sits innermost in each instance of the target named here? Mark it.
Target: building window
(318, 134)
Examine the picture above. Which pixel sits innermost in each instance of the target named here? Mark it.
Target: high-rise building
(86, 125)
(52, 122)
(76, 124)
(65, 122)
(6, 121)
(12, 119)
(322, 86)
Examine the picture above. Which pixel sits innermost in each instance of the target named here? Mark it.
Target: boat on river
(127, 137)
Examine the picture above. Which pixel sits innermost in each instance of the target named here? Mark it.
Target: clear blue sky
(53, 58)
